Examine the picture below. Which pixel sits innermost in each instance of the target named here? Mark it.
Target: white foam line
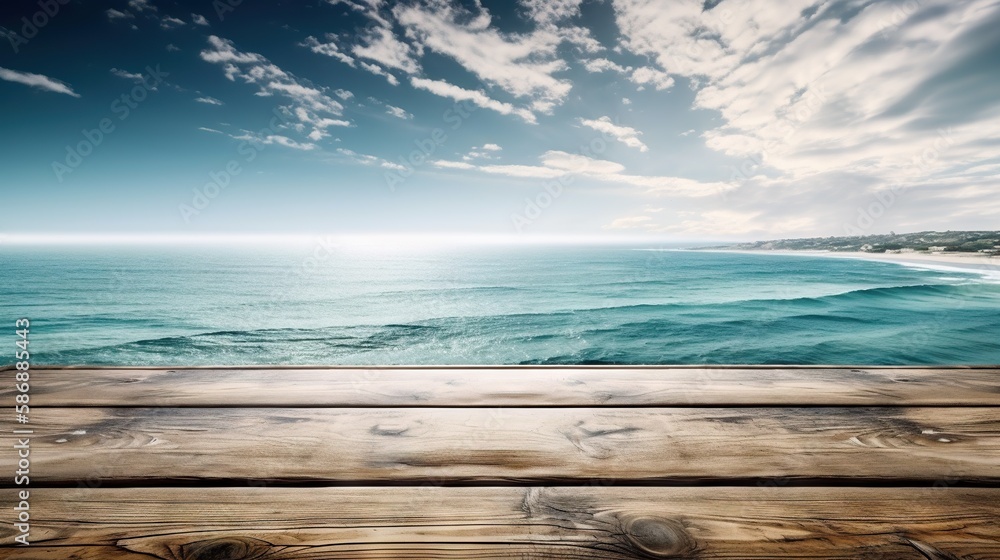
(987, 271)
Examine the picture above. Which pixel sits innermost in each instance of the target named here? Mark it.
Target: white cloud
(486, 151)
(343, 94)
(598, 65)
(171, 22)
(310, 105)
(397, 112)
(378, 71)
(329, 48)
(444, 89)
(626, 101)
(209, 100)
(369, 8)
(137, 78)
(522, 65)
(254, 69)
(365, 159)
(141, 5)
(172, 47)
(453, 164)
(550, 11)
(651, 76)
(556, 163)
(523, 171)
(36, 81)
(114, 14)
(812, 90)
(624, 134)
(270, 139)
(551, 15)
(199, 19)
(382, 46)
(210, 130)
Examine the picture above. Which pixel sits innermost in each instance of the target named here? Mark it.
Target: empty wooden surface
(495, 463)
(515, 445)
(537, 523)
(512, 387)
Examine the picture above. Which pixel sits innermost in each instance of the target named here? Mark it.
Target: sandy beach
(940, 261)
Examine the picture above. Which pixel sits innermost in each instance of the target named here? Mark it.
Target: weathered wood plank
(514, 386)
(583, 523)
(512, 446)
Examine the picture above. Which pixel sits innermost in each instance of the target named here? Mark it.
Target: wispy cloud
(598, 65)
(555, 163)
(651, 76)
(311, 105)
(378, 71)
(328, 48)
(141, 6)
(209, 100)
(114, 14)
(169, 22)
(822, 89)
(132, 76)
(369, 8)
(199, 19)
(480, 99)
(397, 112)
(486, 151)
(824, 105)
(277, 139)
(522, 65)
(36, 81)
(366, 159)
(382, 46)
(624, 134)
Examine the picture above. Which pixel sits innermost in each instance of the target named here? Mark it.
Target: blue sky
(727, 119)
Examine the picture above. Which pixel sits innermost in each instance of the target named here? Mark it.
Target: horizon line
(457, 238)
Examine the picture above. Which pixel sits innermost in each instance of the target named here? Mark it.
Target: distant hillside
(930, 241)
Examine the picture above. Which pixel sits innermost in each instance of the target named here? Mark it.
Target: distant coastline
(925, 242)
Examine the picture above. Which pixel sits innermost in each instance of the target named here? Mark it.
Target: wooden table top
(508, 462)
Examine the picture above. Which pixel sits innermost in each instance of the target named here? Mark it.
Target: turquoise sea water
(489, 305)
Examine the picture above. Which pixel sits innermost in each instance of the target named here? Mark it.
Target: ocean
(529, 304)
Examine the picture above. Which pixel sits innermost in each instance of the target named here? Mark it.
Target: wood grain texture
(512, 446)
(514, 386)
(493, 523)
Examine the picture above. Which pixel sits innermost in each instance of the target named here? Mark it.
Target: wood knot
(228, 548)
(659, 538)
